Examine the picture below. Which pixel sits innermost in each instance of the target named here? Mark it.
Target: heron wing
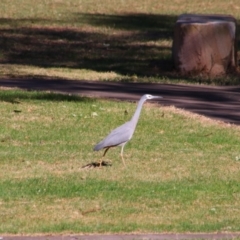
(116, 137)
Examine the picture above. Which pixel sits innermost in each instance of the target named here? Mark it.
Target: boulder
(205, 44)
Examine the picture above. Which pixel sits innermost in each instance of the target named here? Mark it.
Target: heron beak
(157, 97)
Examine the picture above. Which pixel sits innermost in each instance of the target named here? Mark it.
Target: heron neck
(136, 115)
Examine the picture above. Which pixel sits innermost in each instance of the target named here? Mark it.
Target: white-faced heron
(121, 135)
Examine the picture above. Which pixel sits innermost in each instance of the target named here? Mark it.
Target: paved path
(190, 236)
(221, 103)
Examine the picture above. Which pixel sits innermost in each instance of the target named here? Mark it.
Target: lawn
(115, 40)
(183, 169)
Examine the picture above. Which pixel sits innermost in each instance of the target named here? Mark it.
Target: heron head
(148, 96)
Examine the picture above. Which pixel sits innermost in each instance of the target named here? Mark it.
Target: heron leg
(105, 151)
(101, 160)
(122, 155)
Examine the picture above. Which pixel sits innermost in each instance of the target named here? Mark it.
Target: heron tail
(98, 147)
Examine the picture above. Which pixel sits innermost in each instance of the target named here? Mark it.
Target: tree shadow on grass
(16, 96)
(161, 25)
(130, 45)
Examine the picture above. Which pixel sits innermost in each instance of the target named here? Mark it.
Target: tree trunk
(205, 44)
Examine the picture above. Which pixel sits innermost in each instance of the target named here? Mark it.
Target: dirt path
(221, 103)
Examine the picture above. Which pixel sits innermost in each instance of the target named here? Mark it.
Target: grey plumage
(122, 134)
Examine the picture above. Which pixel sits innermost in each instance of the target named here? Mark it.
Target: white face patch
(149, 96)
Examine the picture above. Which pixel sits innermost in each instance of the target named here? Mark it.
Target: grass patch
(91, 40)
(182, 169)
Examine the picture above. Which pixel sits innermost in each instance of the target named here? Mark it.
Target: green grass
(182, 170)
(98, 40)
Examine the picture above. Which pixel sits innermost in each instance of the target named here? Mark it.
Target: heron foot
(98, 164)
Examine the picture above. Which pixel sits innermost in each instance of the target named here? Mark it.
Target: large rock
(205, 44)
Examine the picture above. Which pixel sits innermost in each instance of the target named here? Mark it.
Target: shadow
(15, 97)
(127, 53)
(158, 25)
(130, 44)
